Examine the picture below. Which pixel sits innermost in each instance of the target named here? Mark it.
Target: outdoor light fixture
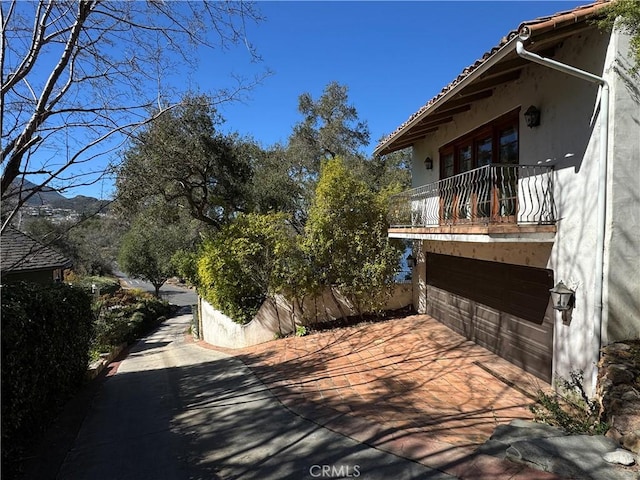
(411, 260)
(428, 163)
(562, 296)
(532, 116)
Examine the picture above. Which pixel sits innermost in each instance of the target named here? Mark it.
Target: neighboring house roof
(498, 65)
(21, 253)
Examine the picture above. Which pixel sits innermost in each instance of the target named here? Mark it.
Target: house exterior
(505, 205)
(26, 259)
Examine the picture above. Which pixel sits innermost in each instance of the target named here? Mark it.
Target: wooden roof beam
(444, 114)
(408, 141)
(464, 100)
(491, 82)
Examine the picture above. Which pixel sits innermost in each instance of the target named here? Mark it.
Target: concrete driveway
(407, 386)
(172, 410)
(402, 399)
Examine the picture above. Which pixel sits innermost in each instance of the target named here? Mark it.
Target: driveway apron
(174, 410)
(409, 386)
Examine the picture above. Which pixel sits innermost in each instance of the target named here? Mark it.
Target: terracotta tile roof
(19, 252)
(536, 26)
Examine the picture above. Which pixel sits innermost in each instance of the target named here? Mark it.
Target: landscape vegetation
(239, 221)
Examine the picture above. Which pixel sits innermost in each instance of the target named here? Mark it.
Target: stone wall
(619, 392)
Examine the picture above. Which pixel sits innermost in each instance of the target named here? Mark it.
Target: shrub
(247, 261)
(570, 408)
(46, 333)
(186, 264)
(125, 316)
(346, 239)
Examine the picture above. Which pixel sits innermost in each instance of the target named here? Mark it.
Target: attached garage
(500, 306)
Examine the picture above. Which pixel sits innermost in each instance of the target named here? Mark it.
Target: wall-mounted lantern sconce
(562, 297)
(411, 260)
(532, 116)
(428, 163)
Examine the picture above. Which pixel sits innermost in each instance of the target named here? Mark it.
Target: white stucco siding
(567, 105)
(569, 139)
(622, 290)
(574, 253)
(573, 261)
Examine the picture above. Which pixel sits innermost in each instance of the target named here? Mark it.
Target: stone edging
(105, 359)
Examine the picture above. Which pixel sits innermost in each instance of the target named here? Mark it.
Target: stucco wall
(280, 317)
(527, 254)
(623, 241)
(568, 139)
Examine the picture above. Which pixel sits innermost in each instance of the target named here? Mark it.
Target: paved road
(175, 294)
(177, 411)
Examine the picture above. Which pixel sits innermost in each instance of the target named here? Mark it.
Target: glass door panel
(507, 178)
(482, 189)
(508, 146)
(448, 167)
(465, 159)
(445, 193)
(463, 205)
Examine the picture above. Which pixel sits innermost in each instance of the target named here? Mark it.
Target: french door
(475, 187)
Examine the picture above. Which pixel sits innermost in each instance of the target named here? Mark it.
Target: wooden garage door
(500, 306)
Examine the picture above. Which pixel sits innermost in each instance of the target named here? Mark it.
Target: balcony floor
(478, 233)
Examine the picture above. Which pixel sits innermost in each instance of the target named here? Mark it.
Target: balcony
(498, 201)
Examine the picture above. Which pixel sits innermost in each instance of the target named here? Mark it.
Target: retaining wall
(281, 316)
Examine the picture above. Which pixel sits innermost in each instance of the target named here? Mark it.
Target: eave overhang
(421, 123)
(498, 66)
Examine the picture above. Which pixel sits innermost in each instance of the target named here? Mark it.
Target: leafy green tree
(185, 262)
(392, 170)
(346, 238)
(91, 244)
(274, 186)
(181, 160)
(248, 261)
(98, 242)
(626, 15)
(344, 244)
(54, 236)
(147, 249)
(330, 127)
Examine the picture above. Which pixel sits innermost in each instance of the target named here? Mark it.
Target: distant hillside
(82, 204)
(47, 196)
(50, 197)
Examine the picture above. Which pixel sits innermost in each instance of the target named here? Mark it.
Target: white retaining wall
(280, 317)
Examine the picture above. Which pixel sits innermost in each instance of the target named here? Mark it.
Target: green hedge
(46, 335)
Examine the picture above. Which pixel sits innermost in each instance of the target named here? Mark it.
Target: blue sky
(393, 57)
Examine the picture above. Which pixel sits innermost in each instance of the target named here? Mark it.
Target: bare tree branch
(78, 77)
(74, 159)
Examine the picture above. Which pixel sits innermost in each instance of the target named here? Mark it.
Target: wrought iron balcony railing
(493, 194)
